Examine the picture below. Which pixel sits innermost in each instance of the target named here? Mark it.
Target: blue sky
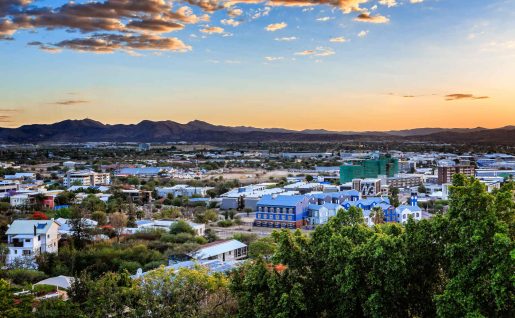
(434, 63)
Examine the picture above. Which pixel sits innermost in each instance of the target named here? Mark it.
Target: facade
(405, 181)
(445, 172)
(230, 250)
(320, 214)
(282, 211)
(7, 187)
(182, 190)
(369, 168)
(86, 178)
(367, 187)
(28, 238)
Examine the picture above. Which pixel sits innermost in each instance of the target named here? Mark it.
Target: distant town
(150, 207)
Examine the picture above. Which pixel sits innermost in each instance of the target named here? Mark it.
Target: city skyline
(347, 65)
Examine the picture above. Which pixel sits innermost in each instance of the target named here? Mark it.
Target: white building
(6, 187)
(230, 250)
(183, 190)
(142, 225)
(86, 178)
(28, 238)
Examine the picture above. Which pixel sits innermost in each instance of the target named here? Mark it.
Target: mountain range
(88, 130)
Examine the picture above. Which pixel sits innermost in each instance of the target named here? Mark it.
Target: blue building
(282, 211)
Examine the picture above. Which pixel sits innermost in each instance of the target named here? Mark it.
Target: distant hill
(88, 130)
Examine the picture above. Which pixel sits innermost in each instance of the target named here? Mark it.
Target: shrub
(225, 223)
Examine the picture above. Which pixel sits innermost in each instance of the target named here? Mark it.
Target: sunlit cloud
(363, 33)
(287, 39)
(319, 51)
(211, 30)
(276, 26)
(339, 39)
(461, 96)
(69, 102)
(377, 19)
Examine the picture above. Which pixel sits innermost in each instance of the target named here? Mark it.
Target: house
(27, 238)
(86, 178)
(320, 214)
(183, 190)
(282, 211)
(7, 188)
(229, 250)
(405, 211)
(142, 225)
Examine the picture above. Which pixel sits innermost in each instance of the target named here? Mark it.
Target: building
(282, 211)
(306, 155)
(28, 238)
(320, 214)
(86, 178)
(405, 181)
(369, 168)
(144, 147)
(182, 190)
(446, 171)
(142, 225)
(367, 187)
(7, 188)
(229, 250)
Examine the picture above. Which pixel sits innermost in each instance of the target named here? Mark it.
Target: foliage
(39, 216)
(13, 306)
(181, 226)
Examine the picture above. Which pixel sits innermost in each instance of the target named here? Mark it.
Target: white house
(404, 211)
(142, 225)
(229, 250)
(27, 238)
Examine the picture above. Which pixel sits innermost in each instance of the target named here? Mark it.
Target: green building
(369, 168)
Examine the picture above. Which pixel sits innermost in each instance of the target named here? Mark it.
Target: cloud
(276, 26)
(212, 30)
(324, 19)
(363, 33)
(5, 119)
(388, 3)
(108, 43)
(230, 22)
(366, 17)
(287, 39)
(120, 25)
(339, 39)
(416, 1)
(70, 102)
(44, 47)
(461, 96)
(319, 51)
(274, 58)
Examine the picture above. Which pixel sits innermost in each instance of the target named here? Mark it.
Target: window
(26, 252)
(27, 240)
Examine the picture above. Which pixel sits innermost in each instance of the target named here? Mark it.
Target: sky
(300, 64)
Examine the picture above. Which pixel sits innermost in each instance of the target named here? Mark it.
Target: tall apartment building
(405, 181)
(369, 168)
(445, 172)
(86, 178)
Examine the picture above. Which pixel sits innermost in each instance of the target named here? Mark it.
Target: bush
(181, 227)
(23, 276)
(225, 223)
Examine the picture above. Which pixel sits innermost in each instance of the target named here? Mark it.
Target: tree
(92, 203)
(80, 231)
(394, 196)
(309, 178)
(478, 252)
(377, 215)
(13, 306)
(421, 189)
(181, 227)
(185, 293)
(264, 247)
(100, 217)
(118, 221)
